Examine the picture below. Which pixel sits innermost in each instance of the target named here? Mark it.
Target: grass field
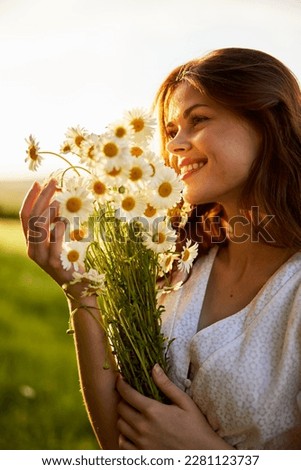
(11, 196)
(40, 402)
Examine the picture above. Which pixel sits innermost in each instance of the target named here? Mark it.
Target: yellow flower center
(90, 153)
(165, 189)
(110, 149)
(77, 234)
(185, 255)
(78, 140)
(138, 124)
(159, 238)
(114, 172)
(73, 256)
(168, 260)
(99, 188)
(150, 211)
(136, 151)
(128, 203)
(66, 148)
(136, 173)
(74, 204)
(120, 132)
(33, 154)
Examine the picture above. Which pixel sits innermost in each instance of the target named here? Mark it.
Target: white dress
(246, 367)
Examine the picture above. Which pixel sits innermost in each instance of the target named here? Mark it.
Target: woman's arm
(97, 382)
(38, 215)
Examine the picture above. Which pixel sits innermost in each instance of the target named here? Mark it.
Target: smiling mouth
(191, 167)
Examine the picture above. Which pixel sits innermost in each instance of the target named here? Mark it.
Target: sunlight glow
(83, 63)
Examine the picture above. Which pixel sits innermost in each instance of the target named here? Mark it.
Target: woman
(231, 125)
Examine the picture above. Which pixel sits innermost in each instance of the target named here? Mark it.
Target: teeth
(191, 166)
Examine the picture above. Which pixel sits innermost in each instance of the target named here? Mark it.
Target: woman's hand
(44, 232)
(147, 424)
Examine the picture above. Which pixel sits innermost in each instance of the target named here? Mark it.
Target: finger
(131, 396)
(57, 239)
(125, 444)
(27, 205)
(126, 430)
(39, 232)
(44, 198)
(55, 250)
(128, 413)
(174, 393)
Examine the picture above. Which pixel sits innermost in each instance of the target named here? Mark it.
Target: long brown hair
(264, 91)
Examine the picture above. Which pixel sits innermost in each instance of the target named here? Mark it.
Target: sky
(84, 62)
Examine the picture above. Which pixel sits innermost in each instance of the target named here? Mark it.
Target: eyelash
(197, 119)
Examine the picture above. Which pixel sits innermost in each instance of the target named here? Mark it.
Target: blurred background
(70, 62)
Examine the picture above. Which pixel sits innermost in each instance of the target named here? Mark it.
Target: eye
(198, 119)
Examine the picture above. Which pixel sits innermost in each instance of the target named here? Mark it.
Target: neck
(248, 247)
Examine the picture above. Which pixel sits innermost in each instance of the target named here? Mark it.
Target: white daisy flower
(73, 255)
(160, 238)
(65, 147)
(95, 281)
(114, 152)
(181, 212)
(158, 166)
(152, 213)
(168, 289)
(140, 172)
(167, 188)
(33, 156)
(185, 213)
(121, 129)
(99, 188)
(114, 177)
(75, 136)
(89, 152)
(76, 202)
(188, 254)
(72, 183)
(78, 231)
(166, 261)
(130, 205)
(142, 122)
(154, 159)
(136, 150)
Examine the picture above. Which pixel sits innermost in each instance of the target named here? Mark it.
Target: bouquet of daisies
(118, 199)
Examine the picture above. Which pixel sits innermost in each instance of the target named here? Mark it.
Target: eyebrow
(187, 112)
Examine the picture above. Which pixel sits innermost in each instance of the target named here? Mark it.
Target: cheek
(240, 150)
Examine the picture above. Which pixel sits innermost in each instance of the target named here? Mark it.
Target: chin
(193, 199)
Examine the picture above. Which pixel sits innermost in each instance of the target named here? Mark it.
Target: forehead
(181, 99)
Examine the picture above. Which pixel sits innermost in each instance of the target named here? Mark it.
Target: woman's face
(213, 148)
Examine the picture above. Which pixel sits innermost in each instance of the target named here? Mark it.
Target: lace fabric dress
(244, 372)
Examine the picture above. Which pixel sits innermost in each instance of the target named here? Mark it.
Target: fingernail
(35, 185)
(53, 182)
(157, 369)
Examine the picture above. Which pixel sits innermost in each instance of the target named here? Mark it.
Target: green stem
(75, 167)
(62, 158)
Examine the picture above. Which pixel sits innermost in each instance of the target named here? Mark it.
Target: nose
(178, 145)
